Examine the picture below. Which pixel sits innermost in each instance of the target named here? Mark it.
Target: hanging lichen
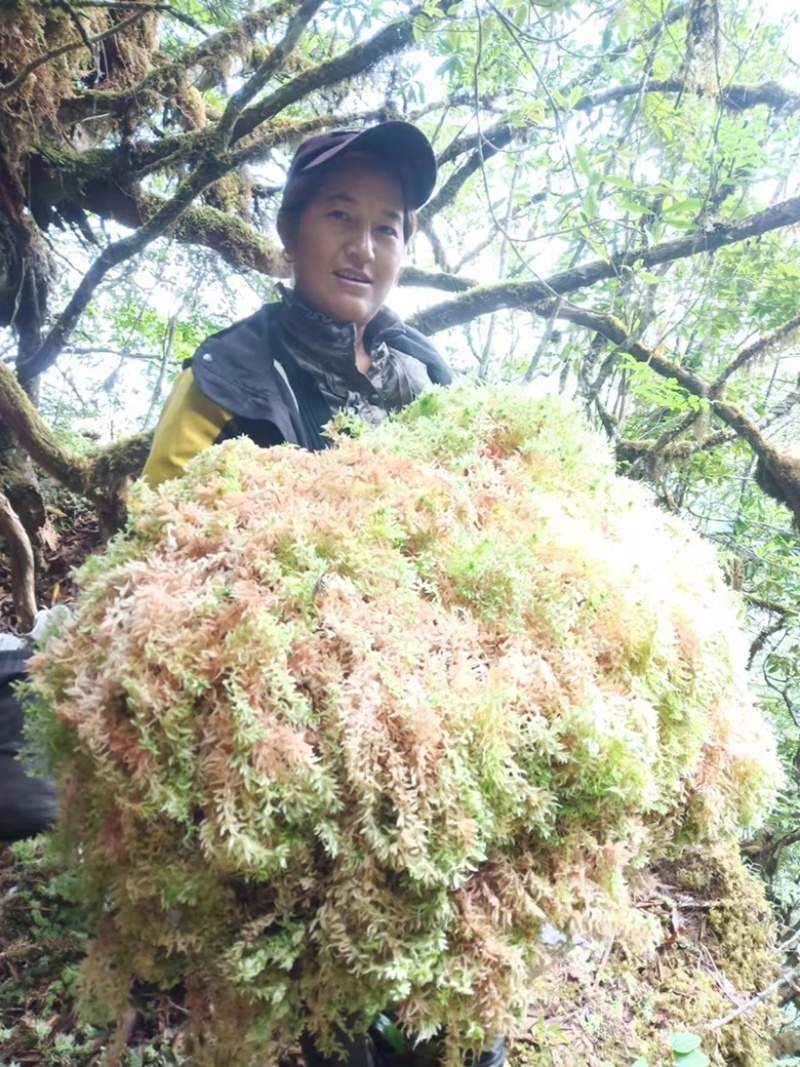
(340, 731)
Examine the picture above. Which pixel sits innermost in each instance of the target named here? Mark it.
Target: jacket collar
(340, 338)
(315, 326)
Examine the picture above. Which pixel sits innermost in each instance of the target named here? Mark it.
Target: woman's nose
(361, 244)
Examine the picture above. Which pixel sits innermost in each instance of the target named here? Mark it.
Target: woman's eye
(340, 216)
(388, 231)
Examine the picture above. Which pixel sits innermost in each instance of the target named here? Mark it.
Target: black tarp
(28, 803)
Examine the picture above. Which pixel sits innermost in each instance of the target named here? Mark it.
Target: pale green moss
(349, 726)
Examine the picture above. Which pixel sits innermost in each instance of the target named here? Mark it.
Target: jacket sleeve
(189, 423)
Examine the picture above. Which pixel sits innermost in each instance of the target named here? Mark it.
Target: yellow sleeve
(189, 423)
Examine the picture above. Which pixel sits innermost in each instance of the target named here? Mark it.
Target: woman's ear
(286, 239)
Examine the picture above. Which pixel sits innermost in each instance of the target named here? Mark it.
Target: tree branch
(615, 330)
(733, 97)
(431, 279)
(777, 473)
(73, 14)
(671, 16)
(212, 57)
(492, 141)
(98, 476)
(271, 65)
(112, 255)
(755, 351)
(237, 243)
(499, 136)
(35, 436)
(160, 9)
(356, 60)
(21, 559)
(485, 299)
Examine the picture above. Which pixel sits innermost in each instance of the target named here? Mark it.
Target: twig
(785, 979)
(22, 572)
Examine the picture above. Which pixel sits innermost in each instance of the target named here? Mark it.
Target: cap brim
(399, 144)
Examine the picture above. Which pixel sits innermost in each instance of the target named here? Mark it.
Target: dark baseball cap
(400, 146)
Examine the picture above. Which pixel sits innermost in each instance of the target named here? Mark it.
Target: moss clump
(612, 1006)
(28, 31)
(339, 731)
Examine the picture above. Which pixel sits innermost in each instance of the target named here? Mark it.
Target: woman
(329, 345)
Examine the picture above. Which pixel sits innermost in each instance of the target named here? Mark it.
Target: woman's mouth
(352, 277)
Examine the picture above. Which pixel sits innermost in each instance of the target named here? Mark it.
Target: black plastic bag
(28, 803)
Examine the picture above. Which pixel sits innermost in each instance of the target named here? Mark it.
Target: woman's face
(348, 246)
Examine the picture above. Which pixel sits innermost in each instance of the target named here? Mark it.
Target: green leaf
(634, 207)
(582, 161)
(694, 1059)
(620, 182)
(690, 206)
(391, 1033)
(683, 1043)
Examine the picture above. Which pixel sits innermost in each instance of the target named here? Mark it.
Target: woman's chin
(346, 307)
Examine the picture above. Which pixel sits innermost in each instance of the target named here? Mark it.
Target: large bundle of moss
(339, 732)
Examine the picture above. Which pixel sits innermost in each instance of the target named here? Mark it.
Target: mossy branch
(489, 298)
(274, 62)
(36, 437)
(109, 467)
(55, 53)
(757, 350)
(774, 606)
(99, 476)
(731, 98)
(356, 60)
(615, 330)
(212, 57)
(234, 240)
(111, 256)
(160, 9)
(777, 473)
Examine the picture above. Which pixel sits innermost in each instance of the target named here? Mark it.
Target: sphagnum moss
(340, 731)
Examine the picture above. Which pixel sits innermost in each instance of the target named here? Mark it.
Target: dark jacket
(232, 387)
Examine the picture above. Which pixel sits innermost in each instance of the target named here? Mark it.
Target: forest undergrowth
(595, 1007)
